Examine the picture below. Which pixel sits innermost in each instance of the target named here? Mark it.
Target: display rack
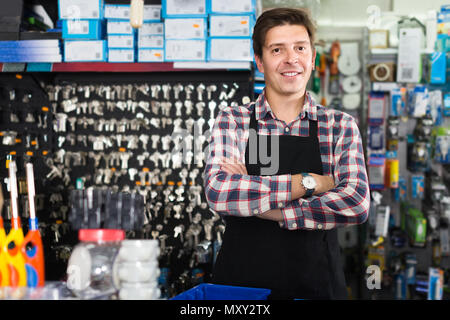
(392, 255)
(122, 67)
(55, 193)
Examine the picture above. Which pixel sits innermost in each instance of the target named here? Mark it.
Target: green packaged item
(414, 224)
(416, 227)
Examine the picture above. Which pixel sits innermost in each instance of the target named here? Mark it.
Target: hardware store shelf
(122, 67)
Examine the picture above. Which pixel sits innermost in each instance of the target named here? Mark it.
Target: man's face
(287, 60)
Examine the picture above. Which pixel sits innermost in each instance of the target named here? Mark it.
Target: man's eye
(301, 48)
(276, 50)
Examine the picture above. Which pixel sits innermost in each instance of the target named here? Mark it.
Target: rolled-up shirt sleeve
(235, 194)
(348, 203)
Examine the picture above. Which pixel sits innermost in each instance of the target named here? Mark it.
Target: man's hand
(324, 183)
(274, 215)
(232, 166)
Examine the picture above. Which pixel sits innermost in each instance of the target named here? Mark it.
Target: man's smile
(291, 74)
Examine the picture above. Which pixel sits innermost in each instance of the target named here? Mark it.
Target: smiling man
(281, 228)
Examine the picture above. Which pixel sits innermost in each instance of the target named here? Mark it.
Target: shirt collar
(263, 109)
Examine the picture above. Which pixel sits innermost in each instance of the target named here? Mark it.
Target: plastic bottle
(89, 270)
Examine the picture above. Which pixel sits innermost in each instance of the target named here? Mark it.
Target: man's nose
(292, 56)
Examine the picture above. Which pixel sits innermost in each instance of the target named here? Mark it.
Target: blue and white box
(150, 41)
(120, 41)
(30, 51)
(184, 8)
(231, 25)
(438, 67)
(117, 11)
(155, 28)
(119, 27)
(185, 50)
(446, 105)
(27, 44)
(185, 28)
(150, 55)
(21, 57)
(120, 55)
(80, 9)
(417, 186)
(85, 50)
(230, 49)
(232, 6)
(82, 29)
(435, 284)
(152, 13)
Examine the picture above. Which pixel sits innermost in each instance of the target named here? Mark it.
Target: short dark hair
(278, 17)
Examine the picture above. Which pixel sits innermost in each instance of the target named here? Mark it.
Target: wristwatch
(309, 183)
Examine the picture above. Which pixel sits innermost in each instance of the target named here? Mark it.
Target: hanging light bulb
(136, 13)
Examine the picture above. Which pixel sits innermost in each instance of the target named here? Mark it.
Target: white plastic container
(139, 250)
(139, 291)
(136, 270)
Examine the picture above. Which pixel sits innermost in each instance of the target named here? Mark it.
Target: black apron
(294, 264)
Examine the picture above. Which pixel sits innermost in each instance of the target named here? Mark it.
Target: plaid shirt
(245, 195)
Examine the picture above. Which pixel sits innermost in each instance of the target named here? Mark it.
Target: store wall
(417, 8)
(348, 13)
(345, 19)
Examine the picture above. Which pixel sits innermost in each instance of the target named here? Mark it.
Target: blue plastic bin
(208, 291)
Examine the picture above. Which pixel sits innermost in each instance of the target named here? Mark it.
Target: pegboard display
(25, 118)
(133, 133)
(26, 133)
(408, 222)
(407, 136)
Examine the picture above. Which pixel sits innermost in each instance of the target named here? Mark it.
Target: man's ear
(259, 63)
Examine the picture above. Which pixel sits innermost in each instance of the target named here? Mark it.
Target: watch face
(309, 182)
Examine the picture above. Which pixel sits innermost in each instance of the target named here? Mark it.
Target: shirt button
(280, 205)
(286, 129)
(294, 225)
(255, 211)
(319, 226)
